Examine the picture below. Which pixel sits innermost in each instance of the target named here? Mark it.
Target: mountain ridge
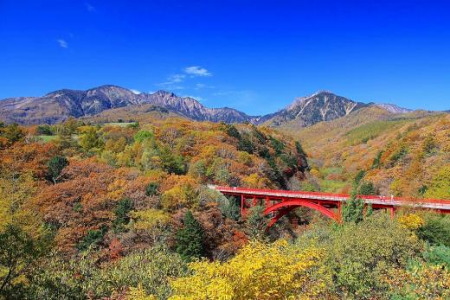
(59, 105)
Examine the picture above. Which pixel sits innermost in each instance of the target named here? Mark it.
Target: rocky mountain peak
(61, 104)
(318, 107)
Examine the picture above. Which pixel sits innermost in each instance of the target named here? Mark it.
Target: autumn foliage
(99, 211)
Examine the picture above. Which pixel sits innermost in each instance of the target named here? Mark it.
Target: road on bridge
(281, 201)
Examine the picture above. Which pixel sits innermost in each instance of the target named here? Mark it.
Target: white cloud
(173, 82)
(177, 78)
(63, 43)
(135, 92)
(89, 7)
(197, 71)
(173, 79)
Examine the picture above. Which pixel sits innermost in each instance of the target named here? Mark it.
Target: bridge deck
(436, 204)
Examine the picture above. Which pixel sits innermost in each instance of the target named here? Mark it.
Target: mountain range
(60, 105)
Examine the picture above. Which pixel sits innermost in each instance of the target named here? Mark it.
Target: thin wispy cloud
(174, 79)
(202, 86)
(177, 78)
(173, 82)
(89, 7)
(197, 71)
(63, 44)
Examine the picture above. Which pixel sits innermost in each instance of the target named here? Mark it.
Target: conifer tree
(55, 166)
(353, 209)
(190, 238)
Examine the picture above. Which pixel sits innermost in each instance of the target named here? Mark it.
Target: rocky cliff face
(392, 108)
(193, 109)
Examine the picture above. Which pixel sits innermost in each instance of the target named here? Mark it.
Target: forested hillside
(123, 211)
(401, 154)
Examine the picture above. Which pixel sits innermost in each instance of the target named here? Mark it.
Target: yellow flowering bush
(411, 221)
(258, 271)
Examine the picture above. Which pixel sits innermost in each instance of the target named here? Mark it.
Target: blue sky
(256, 56)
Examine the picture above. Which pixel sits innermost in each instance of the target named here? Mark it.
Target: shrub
(411, 221)
(420, 281)
(360, 254)
(152, 189)
(438, 255)
(92, 238)
(143, 135)
(148, 271)
(44, 130)
(19, 253)
(256, 223)
(258, 271)
(436, 230)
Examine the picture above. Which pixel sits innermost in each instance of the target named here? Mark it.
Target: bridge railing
(333, 197)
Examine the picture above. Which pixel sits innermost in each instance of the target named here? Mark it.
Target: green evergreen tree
(152, 189)
(232, 131)
(353, 209)
(55, 166)
(124, 206)
(92, 239)
(171, 162)
(229, 208)
(377, 160)
(190, 238)
(256, 223)
(44, 130)
(359, 177)
(367, 188)
(299, 149)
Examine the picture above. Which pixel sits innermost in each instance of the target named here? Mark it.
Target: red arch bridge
(278, 203)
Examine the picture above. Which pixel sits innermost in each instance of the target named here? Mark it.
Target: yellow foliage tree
(138, 293)
(150, 218)
(411, 221)
(183, 192)
(15, 194)
(258, 271)
(152, 221)
(255, 181)
(440, 185)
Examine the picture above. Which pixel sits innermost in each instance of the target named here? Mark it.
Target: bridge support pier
(276, 202)
(392, 212)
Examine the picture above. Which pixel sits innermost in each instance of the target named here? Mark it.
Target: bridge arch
(282, 208)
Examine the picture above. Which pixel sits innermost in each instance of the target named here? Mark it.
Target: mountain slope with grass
(400, 154)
